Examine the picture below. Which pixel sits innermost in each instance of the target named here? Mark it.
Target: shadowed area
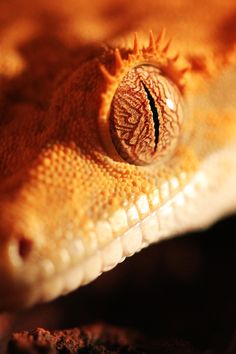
(181, 289)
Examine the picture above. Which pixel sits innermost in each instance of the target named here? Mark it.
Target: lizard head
(133, 148)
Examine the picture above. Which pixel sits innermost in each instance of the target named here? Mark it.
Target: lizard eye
(145, 115)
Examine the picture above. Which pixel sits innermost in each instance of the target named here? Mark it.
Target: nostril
(24, 247)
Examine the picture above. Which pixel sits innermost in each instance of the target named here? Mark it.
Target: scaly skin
(69, 208)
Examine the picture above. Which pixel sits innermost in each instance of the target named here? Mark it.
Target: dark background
(180, 288)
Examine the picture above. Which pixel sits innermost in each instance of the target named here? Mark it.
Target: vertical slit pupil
(154, 112)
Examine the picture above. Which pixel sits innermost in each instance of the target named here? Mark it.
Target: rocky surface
(99, 338)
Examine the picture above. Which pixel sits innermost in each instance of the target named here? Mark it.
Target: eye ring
(142, 108)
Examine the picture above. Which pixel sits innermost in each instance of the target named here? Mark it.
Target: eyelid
(157, 54)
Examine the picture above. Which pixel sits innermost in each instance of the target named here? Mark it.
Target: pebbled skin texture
(67, 208)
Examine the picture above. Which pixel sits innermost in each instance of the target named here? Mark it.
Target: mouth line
(186, 211)
(157, 226)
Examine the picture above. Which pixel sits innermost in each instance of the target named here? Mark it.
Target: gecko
(128, 139)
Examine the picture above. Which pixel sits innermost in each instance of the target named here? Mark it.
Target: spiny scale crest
(126, 62)
(157, 53)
